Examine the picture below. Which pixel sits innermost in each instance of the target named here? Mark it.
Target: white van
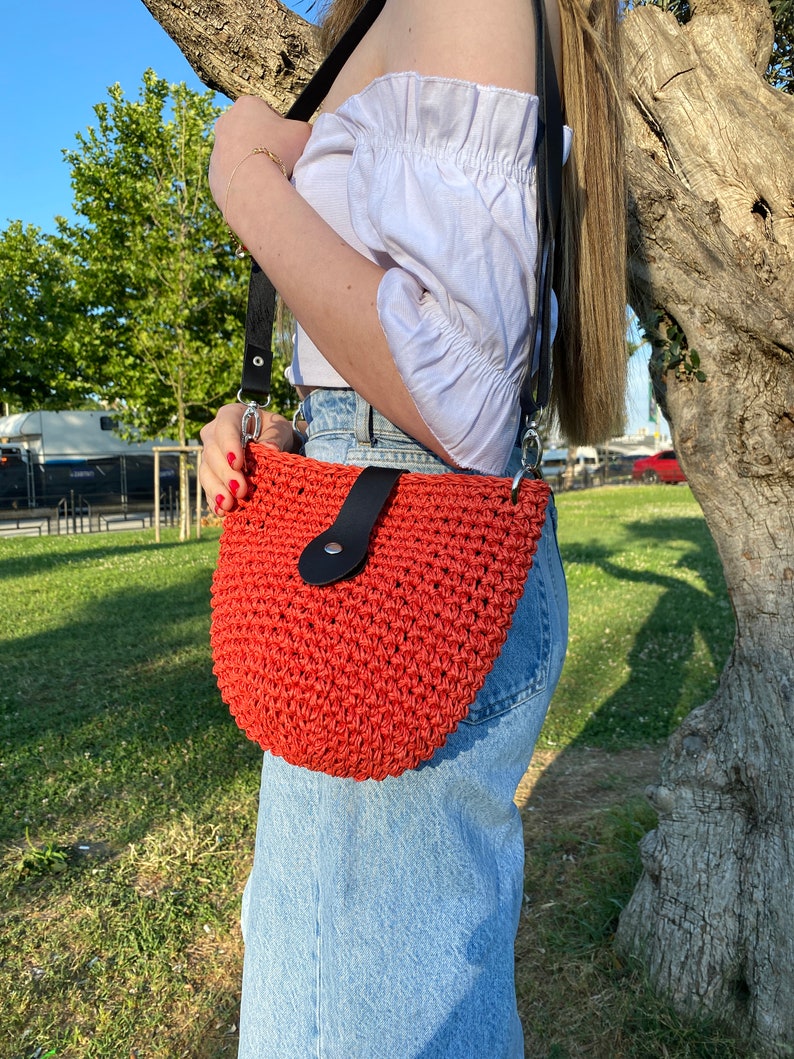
(586, 459)
(556, 462)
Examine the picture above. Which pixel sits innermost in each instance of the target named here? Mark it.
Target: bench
(17, 525)
(110, 522)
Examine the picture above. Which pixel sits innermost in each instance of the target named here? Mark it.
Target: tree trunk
(711, 171)
(184, 469)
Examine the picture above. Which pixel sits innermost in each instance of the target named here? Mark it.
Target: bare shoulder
(487, 41)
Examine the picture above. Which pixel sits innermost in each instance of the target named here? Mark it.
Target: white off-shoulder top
(434, 180)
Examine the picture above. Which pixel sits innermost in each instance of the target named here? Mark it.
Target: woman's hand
(222, 473)
(251, 123)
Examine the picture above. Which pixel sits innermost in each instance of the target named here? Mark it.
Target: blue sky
(57, 59)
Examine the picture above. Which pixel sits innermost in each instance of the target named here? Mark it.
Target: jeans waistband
(327, 408)
(344, 428)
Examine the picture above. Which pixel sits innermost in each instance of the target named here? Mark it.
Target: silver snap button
(333, 548)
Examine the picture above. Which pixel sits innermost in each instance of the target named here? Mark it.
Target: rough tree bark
(238, 47)
(711, 170)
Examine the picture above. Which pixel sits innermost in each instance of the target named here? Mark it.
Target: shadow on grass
(37, 564)
(661, 688)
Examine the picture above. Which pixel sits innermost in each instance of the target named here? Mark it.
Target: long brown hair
(590, 354)
(337, 16)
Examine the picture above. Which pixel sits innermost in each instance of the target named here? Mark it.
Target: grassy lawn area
(129, 796)
(651, 625)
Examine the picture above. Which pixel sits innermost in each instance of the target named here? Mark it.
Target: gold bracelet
(241, 250)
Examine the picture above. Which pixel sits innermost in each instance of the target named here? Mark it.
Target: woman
(380, 917)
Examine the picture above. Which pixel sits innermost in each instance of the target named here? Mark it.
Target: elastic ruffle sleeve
(442, 189)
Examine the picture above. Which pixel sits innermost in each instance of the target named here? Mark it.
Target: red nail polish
(219, 500)
(234, 485)
(230, 458)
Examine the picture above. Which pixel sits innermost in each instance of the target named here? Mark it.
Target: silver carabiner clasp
(531, 456)
(251, 425)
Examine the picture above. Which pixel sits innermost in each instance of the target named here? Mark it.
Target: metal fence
(75, 513)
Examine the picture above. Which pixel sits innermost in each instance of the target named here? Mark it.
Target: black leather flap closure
(341, 551)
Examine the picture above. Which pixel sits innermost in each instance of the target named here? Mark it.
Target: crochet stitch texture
(367, 677)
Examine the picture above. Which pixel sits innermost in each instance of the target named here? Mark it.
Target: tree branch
(242, 49)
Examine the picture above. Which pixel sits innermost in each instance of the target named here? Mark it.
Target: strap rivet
(259, 361)
(333, 548)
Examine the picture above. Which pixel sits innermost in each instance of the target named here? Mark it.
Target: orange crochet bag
(365, 676)
(357, 613)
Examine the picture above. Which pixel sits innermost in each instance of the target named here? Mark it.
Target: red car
(661, 467)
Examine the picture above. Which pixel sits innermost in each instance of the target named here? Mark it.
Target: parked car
(661, 467)
(620, 464)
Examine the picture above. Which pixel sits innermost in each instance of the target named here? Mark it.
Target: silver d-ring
(250, 401)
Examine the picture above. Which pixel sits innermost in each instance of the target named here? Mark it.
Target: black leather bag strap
(258, 350)
(535, 391)
(317, 89)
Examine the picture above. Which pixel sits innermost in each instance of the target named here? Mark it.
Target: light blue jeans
(380, 917)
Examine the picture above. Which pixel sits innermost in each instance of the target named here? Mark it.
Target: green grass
(576, 999)
(129, 796)
(117, 753)
(650, 621)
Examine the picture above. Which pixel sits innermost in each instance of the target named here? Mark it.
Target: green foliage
(781, 66)
(679, 8)
(35, 860)
(671, 350)
(38, 307)
(140, 303)
(677, 357)
(163, 295)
